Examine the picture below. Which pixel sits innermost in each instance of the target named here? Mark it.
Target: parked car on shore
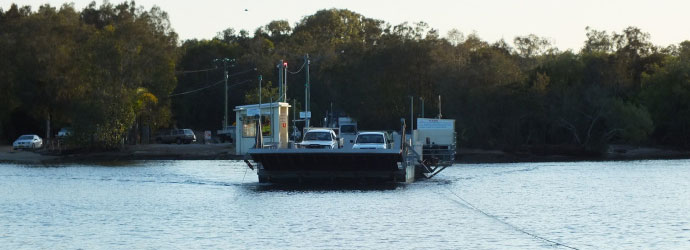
(64, 132)
(372, 140)
(28, 141)
(320, 138)
(227, 134)
(178, 136)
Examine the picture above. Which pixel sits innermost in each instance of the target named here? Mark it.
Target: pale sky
(563, 22)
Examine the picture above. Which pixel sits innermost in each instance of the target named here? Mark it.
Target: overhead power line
(214, 84)
(196, 90)
(242, 72)
(237, 84)
(206, 87)
(299, 70)
(195, 71)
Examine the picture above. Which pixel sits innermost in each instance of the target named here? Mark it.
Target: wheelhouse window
(249, 126)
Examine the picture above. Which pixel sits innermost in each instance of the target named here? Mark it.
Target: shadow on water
(113, 164)
(439, 181)
(326, 186)
(528, 169)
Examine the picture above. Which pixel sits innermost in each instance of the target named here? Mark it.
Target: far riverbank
(221, 151)
(614, 153)
(225, 151)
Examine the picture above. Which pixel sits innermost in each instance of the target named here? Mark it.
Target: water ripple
(219, 204)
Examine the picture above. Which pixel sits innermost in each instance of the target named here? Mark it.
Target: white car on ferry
(372, 140)
(320, 138)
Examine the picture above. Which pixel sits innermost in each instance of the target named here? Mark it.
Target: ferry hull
(324, 164)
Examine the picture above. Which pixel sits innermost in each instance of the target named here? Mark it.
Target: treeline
(123, 68)
(104, 71)
(619, 88)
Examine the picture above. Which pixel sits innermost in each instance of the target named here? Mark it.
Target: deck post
(259, 132)
(409, 173)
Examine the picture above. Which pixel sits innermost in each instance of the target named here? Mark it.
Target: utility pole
(285, 74)
(294, 117)
(271, 107)
(225, 117)
(226, 62)
(439, 107)
(307, 93)
(411, 115)
(260, 78)
(280, 79)
(422, 99)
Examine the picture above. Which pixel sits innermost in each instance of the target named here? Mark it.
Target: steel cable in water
(245, 174)
(469, 205)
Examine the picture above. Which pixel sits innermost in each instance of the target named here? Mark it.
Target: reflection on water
(219, 204)
(326, 187)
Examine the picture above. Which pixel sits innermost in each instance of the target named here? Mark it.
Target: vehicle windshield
(26, 137)
(348, 129)
(188, 132)
(317, 136)
(369, 138)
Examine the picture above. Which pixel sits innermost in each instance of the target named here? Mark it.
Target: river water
(219, 204)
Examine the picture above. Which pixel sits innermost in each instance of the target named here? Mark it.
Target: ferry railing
(433, 160)
(435, 154)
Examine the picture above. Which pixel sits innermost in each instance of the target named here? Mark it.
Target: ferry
(422, 154)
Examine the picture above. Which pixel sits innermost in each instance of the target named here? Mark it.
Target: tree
(278, 29)
(267, 93)
(597, 42)
(531, 45)
(125, 65)
(455, 37)
(666, 93)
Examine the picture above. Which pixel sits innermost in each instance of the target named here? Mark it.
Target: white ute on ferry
(372, 140)
(322, 138)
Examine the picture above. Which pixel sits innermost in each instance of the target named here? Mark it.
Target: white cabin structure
(274, 120)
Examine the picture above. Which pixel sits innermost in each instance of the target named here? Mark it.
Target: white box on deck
(439, 131)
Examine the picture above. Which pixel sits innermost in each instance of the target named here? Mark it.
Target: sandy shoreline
(22, 156)
(226, 152)
(134, 152)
